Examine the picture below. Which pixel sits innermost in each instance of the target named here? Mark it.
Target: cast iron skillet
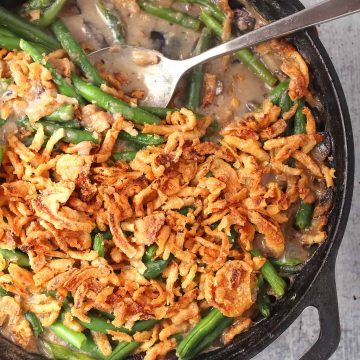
(315, 286)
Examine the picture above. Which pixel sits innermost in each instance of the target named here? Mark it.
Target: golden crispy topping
(232, 289)
(186, 196)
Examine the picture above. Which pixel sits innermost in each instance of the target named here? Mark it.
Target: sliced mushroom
(243, 20)
(158, 39)
(322, 150)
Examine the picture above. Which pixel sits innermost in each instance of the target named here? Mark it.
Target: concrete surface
(341, 39)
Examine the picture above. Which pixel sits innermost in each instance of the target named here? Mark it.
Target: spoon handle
(317, 14)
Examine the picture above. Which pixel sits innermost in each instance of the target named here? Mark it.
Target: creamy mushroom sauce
(237, 87)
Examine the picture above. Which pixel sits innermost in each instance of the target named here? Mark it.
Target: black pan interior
(335, 119)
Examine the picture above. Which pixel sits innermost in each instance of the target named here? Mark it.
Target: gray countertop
(341, 39)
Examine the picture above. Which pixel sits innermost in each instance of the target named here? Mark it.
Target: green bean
(175, 17)
(50, 14)
(9, 42)
(197, 74)
(210, 7)
(143, 325)
(304, 215)
(204, 328)
(150, 253)
(185, 210)
(90, 347)
(28, 140)
(300, 118)
(106, 315)
(66, 302)
(4, 83)
(62, 113)
(123, 350)
(211, 23)
(72, 337)
(244, 55)
(276, 282)
(263, 301)
(103, 325)
(26, 30)
(37, 4)
(76, 53)
(13, 43)
(60, 352)
(178, 337)
(291, 162)
(100, 324)
(210, 338)
(112, 104)
(107, 235)
(72, 135)
(290, 269)
(260, 281)
(99, 244)
(276, 93)
(209, 174)
(71, 124)
(35, 323)
(132, 146)
(256, 66)
(280, 97)
(127, 156)
(285, 102)
(233, 235)
(4, 31)
(155, 268)
(288, 266)
(2, 122)
(63, 86)
(159, 111)
(264, 304)
(143, 139)
(52, 293)
(3, 292)
(112, 21)
(287, 262)
(24, 123)
(15, 256)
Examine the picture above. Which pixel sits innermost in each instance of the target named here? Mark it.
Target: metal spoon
(158, 76)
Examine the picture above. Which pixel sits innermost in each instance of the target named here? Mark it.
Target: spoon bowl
(142, 69)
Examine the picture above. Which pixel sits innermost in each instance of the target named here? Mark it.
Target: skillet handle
(323, 296)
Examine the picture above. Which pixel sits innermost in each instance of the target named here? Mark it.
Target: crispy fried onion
(196, 208)
(232, 289)
(11, 316)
